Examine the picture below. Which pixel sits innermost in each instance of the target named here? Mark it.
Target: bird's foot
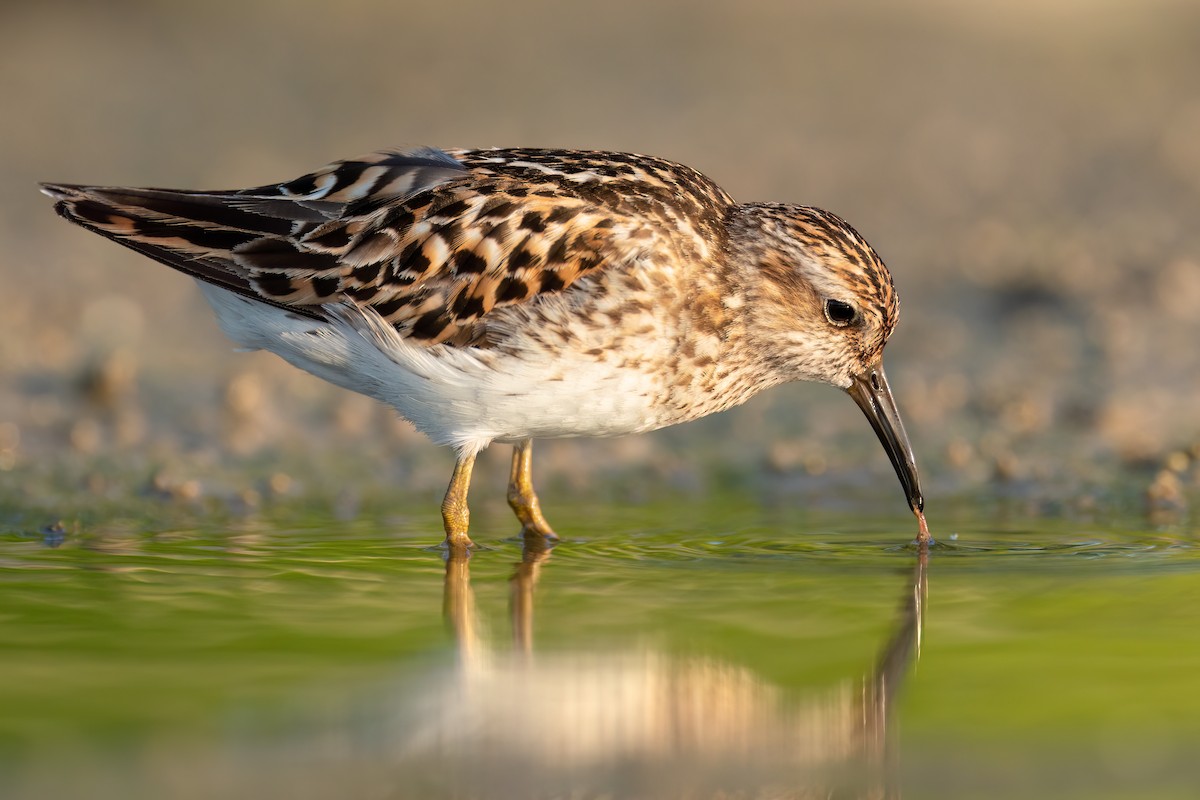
(538, 539)
(457, 545)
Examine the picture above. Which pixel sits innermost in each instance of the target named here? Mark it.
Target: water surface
(659, 651)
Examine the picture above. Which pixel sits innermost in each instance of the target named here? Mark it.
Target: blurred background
(241, 590)
(1030, 171)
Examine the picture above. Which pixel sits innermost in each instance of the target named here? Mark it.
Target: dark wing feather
(197, 232)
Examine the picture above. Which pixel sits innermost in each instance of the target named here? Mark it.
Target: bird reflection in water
(643, 724)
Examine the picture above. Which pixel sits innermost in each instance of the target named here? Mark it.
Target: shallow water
(675, 650)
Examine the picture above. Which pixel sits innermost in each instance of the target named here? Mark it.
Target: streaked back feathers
(433, 241)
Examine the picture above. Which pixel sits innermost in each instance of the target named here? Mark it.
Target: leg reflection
(458, 604)
(536, 551)
(639, 717)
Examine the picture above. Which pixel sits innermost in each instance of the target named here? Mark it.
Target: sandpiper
(506, 295)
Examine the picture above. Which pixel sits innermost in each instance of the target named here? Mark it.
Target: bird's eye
(839, 313)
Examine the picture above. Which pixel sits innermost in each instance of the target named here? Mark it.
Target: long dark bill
(873, 395)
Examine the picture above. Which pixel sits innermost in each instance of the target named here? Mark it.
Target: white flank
(465, 397)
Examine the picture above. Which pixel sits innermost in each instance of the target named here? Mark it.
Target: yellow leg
(456, 517)
(521, 496)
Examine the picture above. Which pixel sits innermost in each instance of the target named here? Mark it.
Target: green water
(680, 649)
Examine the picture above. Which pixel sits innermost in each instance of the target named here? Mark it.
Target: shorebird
(507, 295)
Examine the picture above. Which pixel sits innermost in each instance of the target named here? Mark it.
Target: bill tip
(922, 526)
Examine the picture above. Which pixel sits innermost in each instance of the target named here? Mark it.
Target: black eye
(839, 313)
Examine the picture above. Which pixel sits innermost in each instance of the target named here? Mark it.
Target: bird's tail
(193, 232)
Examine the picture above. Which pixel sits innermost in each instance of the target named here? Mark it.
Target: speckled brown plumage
(618, 292)
(434, 245)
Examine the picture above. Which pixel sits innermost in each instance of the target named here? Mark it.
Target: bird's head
(824, 307)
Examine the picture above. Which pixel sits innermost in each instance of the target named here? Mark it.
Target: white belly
(460, 396)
